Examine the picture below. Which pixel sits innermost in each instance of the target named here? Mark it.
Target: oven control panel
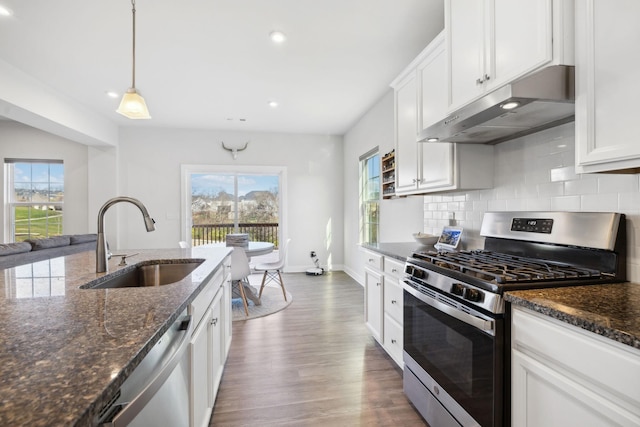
(532, 225)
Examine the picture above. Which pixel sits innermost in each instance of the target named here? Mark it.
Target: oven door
(457, 354)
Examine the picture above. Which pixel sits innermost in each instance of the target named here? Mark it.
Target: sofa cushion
(83, 238)
(49, 242)
(14, 248)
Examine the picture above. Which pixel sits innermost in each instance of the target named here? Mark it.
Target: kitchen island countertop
(65, 350)
(612, 310)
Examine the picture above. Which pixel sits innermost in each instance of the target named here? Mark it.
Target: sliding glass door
(233, 201)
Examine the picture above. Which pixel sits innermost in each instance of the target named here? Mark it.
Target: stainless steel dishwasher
(157, 391)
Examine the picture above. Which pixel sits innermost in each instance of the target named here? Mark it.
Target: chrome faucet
(102, 253)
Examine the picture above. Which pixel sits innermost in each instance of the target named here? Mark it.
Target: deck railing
(216, 233)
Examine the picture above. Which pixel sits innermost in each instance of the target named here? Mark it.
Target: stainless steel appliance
(530, 104)
(456, 348)
(157, 392)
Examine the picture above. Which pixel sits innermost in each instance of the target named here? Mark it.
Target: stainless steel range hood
(545, 99)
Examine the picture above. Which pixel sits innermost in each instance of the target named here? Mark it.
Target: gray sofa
(13, 254)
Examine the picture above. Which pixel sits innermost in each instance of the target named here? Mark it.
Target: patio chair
(272, 270)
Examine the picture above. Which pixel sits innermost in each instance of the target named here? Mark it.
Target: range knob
(473, 295)
(457, 289)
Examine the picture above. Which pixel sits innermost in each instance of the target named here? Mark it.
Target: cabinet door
(199, 358)
(216, 347)
(373, 309)
(520, 39)
(437, 166)
(393, 339)
(607, 89)
(406, 135)
(393, 299)
(432, 79)
(227, 316)
(464, 25)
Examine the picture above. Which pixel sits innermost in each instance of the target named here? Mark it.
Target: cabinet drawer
(373, 260)
(393, 267)
(393, 302)
(607, 367)
(199, 305)
(393, 339)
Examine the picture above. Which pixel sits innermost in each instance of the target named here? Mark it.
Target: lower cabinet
(384, 302)
(563, 375)
(209, 346)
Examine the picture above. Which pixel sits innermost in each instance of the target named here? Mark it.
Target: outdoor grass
(43, 223)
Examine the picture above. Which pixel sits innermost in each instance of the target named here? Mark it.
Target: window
(218, 201)
(34, 198)
(369, 196)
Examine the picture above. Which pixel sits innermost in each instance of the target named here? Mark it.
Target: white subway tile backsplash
(629, 202)
(599, 202)
(551, 189)
(581, 186)
(540, 204)
(617, 183)
(565, 203)
(563, 173)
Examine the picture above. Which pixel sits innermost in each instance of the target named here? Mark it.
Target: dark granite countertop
(66, 350)
(612, 311)
(397, 250)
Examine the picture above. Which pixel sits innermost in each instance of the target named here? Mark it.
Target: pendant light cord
(133, 74)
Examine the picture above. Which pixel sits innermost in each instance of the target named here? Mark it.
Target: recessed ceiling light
(509, 105)
(433, 139)
(273, 104)
(277, 36)
(112, 94)
(4, 11)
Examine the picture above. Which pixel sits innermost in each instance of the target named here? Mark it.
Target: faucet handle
(123, 261)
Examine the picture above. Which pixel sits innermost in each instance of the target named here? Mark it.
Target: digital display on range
(532, 225)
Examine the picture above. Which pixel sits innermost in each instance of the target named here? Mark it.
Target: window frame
(10, 204)
(366, 182)
(186, 171)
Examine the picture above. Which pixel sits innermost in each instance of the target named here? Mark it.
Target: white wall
(149, 162)
(399, 218)
(21, 141)
(537, 172)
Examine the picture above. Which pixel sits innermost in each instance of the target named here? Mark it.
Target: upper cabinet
(493, 42)
(421, 100)
(607, 64)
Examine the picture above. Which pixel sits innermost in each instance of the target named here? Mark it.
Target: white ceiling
(206, 64)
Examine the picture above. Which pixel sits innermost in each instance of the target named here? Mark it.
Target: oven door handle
(477, 322)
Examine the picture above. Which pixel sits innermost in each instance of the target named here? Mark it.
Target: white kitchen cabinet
(607, 89)
(226, 314)
(563, 375)
(393, 309)
(420, 101)
(216, 348)
(208, 349)
(493, 42)
(373, 302)
(199, 355)
(384, 302)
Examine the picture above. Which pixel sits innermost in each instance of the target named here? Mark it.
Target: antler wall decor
(234, 151)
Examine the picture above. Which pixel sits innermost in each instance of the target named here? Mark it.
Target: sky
(214, 183)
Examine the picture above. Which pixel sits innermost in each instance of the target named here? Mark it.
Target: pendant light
(132, 104)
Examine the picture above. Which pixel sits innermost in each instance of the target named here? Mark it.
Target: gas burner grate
(504, 268)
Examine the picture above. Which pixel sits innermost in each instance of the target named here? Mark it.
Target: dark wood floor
(312, 364)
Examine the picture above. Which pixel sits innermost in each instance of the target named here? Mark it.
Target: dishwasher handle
(158, 378)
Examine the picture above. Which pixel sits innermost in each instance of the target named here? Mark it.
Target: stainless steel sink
(147, 274)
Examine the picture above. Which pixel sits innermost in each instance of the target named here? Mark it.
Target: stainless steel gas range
(456, 339)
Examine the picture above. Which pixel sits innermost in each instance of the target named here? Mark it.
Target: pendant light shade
(132, 104)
